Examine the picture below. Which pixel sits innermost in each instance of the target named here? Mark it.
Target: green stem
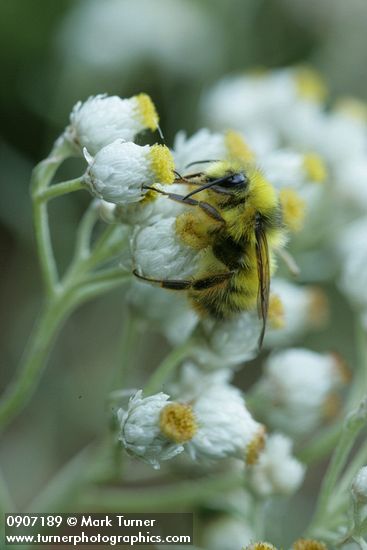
(60, 189)
(326, 440)
(359, 460)
(180, 495)
(127, 349)
(352, 426)
(84, 233)
(166, 368)
(106, 275)
(322, 444)
(44, 245)
(41, 178)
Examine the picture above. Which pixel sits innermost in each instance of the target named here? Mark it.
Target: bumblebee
(235, 220)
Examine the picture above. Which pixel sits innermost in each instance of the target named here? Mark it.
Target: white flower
(223, 344)
(106, 211)
(297, 389)
(300, 308)
(193, 381)
(116, 36)
(206, 145)
(158, 252)
(225, 426)
(227, 533)
(351, 183)
(140, 430)
(151, 211)
(261, 545)
(287, 168)
(102, 119)
(261, 100)
(167, 312)
(119, 171)
(277, 471)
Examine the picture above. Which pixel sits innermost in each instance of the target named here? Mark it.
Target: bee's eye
(235, 180)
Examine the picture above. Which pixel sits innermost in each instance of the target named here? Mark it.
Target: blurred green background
(53, 53)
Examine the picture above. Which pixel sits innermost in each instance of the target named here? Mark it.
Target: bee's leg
(186, 284)
(205, 206)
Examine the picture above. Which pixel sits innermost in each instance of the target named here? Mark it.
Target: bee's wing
(263, 270)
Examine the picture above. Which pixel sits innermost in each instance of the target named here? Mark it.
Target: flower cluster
(210, 424)
(104, 128)
(205, 226)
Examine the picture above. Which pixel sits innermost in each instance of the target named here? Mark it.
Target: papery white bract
(159, 252)
(296, 389)
(102, 119)
(227, 533)
(139, 429)
(119, 171)
(277, 471)
(227, 344)
(225, 426)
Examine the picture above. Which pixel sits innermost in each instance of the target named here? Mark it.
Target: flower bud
(159, 252)
(119, 171)
(140, 429)
(225, 427)
(296, 388)
(226, 533)
(277, 471)
(102, 119)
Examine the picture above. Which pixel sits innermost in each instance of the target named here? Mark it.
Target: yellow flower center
(177, 422)
(255, 447)
(276, 312)
(318, 307)
(162, 163)
(237, 147)
(294, 209)
(315, 167)
(260, 546)
(308, 544)
(147, 112)
(310, 85)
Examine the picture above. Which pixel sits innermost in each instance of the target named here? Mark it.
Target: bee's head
(231, 180)
(224, 177)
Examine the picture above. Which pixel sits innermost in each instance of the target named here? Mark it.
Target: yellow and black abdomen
(237, 293)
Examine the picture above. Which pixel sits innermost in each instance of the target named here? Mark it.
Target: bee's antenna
(200, 162)
(206, 186)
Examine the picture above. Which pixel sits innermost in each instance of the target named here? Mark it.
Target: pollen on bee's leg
(255, 447)
(177, 422)
(293, 207)
(191, 230)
